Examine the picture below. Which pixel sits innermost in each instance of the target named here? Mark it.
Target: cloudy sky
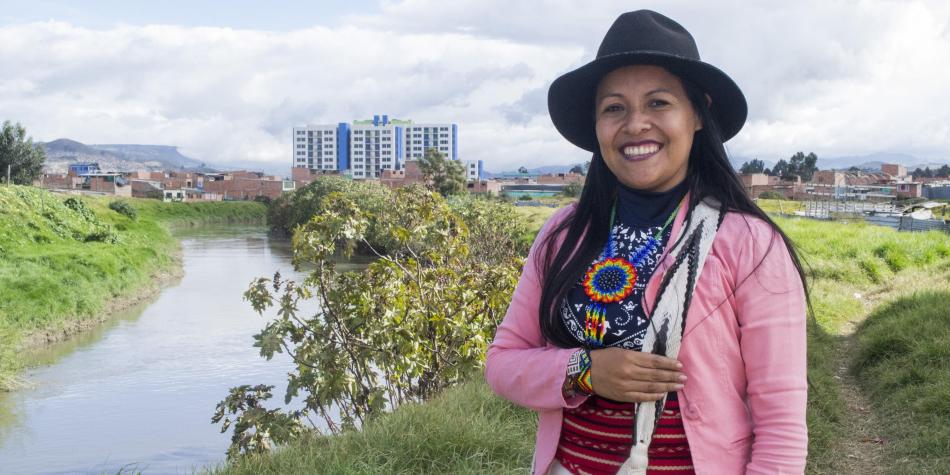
(226, 81)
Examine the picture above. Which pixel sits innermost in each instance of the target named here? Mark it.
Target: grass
(780, 206)
(903, 363)
(62, 264)
(466, 430)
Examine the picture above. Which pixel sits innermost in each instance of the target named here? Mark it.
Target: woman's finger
(658, 362)
(646, 374)
(651, 387)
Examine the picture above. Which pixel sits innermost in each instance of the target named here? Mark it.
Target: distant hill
(165, 154)
(865, 162)
(116, 157)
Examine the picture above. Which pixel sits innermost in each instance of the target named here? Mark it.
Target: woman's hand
(632, 376)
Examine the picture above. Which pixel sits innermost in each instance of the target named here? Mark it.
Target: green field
(64, 263)
(854, 270)
(903, 364)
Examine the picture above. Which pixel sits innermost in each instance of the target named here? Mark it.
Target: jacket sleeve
(770, 308)
(519, 365)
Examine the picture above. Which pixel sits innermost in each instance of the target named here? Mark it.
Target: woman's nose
(637, 122)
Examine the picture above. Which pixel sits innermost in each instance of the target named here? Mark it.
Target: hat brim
(571, 96)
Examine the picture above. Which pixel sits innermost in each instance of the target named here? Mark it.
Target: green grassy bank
(854, 270)
(903, 364)
(467, 429)
(64, 260)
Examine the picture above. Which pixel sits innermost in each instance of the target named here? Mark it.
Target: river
(138, 393)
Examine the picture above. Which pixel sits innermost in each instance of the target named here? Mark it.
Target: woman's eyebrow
(659, 90)
(612, 94)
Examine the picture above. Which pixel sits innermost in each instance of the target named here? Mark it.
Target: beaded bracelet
(583, 383)
(579, 369)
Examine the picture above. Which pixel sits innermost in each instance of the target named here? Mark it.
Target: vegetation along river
(139, 392)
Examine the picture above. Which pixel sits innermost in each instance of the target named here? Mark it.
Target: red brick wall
(245, 188)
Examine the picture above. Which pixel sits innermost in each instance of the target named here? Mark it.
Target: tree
(780, 169)
(18, 152)
(803, 166)
(809, 167)
(943, 171)
(523, 170)
(442, 175)
(578, 169)
(752, 166)
(572, 189)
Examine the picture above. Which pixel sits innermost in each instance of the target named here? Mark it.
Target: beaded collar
(612, 278)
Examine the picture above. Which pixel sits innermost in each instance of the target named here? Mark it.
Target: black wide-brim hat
(641, 37)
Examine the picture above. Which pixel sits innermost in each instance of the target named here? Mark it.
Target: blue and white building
(474, 169)
(442, 137)
(322, 147)
(376, 145)
(365, 148)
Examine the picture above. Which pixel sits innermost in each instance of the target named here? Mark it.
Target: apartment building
(322, 147)
(474, 169)
(421, 137)
(376, 145)
(365, 149)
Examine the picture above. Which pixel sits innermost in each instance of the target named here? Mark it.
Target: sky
(227, 81)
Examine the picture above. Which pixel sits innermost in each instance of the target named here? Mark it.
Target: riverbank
(67, 262)
(855, 270)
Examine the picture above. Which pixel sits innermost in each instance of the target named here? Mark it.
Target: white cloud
(834, 77)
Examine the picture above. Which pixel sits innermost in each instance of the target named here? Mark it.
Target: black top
(640, 214)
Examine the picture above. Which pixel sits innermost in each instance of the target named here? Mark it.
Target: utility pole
(8, 173)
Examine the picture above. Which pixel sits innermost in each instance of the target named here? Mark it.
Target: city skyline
(228, 84)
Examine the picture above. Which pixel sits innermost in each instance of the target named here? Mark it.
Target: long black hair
(709, 173)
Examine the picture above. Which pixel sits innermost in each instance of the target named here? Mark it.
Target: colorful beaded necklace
(611, 279)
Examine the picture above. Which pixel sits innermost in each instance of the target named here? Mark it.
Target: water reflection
(141, 389)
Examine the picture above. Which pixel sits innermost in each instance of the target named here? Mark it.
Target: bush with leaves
(771, 195)
(290, 210)
(124, 208)
(416, 320)
(572, 190)
(94, 230)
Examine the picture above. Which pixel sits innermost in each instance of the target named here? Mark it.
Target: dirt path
(863, 445)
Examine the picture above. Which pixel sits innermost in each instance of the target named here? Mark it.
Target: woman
(659, 323)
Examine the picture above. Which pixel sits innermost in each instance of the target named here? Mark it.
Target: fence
(907, 223)
(869, 211)
(827, 209)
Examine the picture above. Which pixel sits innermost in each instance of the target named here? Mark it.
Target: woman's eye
(613, 108)
(658, 103)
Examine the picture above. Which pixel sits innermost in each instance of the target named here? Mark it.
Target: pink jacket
(743, 352)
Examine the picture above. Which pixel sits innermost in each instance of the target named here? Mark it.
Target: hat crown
(648, 31)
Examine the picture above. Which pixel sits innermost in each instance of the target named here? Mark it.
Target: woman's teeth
(641, 149)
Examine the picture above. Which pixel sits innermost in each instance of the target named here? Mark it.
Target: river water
(139, 391)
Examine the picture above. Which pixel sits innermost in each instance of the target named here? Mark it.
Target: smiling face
(645, 126)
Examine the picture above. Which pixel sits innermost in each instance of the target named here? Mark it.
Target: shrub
(124, 208)
(415, 321)
(572, 190)
(771, 195)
